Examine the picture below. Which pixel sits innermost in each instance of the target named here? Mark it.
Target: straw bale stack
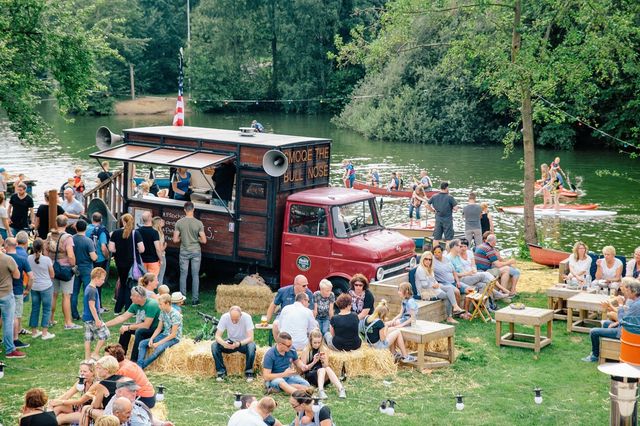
(174, 359)
(440, 345)
(253, 299)
(365, 361)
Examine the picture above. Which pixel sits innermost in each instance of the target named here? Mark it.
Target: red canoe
(563, 192)
(547, 256)
(591, 206)
(384, 192)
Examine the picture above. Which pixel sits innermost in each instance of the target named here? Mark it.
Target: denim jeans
(597, 333)
(84, 278)
(140, 334)
(249, 350)
(323, 325)
(193, 257)
(42, 298)
(7, 305)
(413, 208)
(144, 345)
(163, 268)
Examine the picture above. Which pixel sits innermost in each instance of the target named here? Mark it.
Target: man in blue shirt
(277, 367)
(287, 296)
(85, 253)
(20, 290)
(630, 289)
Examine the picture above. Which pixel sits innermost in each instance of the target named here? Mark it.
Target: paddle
(572, 186)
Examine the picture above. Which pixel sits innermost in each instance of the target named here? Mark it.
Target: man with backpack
(85, 253)
(100, 237)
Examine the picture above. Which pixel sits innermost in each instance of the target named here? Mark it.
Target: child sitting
(177, 300)
(167, 334)
(317, 361)
(409, 308)
(323, 307)
(94, 328)
(378, 336)
(163, 289)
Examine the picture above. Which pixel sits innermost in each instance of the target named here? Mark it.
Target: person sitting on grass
(94, 328)
(343, 332)
(302, 403)
(430, 289)
(146, 312)
(130, 370)
(239, 327)
(255, 413)
(278, 365)
(67, 410)
(609, 270)
(34, 409)
(102, 391)
(317, 359)
(164, 289)
(579, 265)
(628, 305)
(139, 413)
(378, 336)
(324, 301)
(362, 300)
(110, 420)
(409, 308)
(167, 333)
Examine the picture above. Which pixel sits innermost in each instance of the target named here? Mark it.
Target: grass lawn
(497, 383)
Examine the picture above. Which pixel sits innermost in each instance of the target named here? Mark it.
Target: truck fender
(340, 284)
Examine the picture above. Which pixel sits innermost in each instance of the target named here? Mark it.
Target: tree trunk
(274, 50)
(529, 167)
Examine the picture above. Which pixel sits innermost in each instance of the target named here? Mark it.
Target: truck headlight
(412, 262)
(380, 274)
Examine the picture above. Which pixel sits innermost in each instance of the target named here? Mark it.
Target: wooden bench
(388, 289)
(609, 350)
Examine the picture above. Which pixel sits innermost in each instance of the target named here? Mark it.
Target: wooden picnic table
(535, 317)
(423, 332)
(557, 300)
(585, 303)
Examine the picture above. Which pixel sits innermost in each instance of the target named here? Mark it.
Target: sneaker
(24, 331)
(72, 327)
(221, 378)
(195, 302)
(103, 310)
(342, 394)
(48, 336)
(19, 345)
(76, 318)
(322, 394)
(409, 358)
(36, 335)
(16, 354)
(249, 377)
(590, 358)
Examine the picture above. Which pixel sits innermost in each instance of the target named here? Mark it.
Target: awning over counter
(171, 157)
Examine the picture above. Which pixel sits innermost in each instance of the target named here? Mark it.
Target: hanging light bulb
(317, 405)
(391, 410)
(459, 403)
(160, 394)
(538, 398)
(1, 370)
(237, 403)
(80, 384)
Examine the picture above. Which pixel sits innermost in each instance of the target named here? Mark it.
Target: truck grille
(396, 268)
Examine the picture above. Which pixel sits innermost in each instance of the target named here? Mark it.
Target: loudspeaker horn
(105, 138)
(275, 163)
(109, 221)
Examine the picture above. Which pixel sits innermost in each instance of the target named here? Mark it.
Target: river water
(482, 169)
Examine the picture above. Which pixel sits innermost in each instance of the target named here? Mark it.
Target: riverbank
(148, 105)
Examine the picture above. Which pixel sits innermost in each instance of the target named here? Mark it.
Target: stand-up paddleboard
(568, 213)
(538, 207)
(563, 192)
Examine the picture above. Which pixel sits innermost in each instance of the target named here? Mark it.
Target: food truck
(264, 200)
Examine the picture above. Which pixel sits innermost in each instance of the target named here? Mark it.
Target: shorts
(291, 380)
(91, 332)
(380, 344)
(494, 271)
(514, 272)
(19, 306)
(444, 227)
(64, 287)
(152, 268)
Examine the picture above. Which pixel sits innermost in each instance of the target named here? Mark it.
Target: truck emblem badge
(398, 248)
(303, 263)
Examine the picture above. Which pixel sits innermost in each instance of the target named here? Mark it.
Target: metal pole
(624, 407)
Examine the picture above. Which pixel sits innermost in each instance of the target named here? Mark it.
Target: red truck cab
(334, 233)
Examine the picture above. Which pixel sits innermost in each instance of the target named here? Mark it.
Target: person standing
(105, 174)
(94, 327)
(5, 229)
(189, 233)
(486, 221)
(78, 185)
(59, 247)
(239, 328)
(20, 209)
(73, 209)
(181, 184)
(152, 244)
(125, 243)
(41, 291)
(349, 176)
(41, 222)
(158, 225)
(99, 235)
(472, 227)
(8, 272)
(443, 204)
(20, 288)
(85, 252)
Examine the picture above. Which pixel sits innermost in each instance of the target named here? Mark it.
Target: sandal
(452, 321)
(460, 312)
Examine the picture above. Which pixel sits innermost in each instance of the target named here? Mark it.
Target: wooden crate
(388, 289)
(609, 350)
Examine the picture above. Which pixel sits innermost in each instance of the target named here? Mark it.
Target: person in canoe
(374, 178)
(394, 183)
(349, 176)
(425, 181)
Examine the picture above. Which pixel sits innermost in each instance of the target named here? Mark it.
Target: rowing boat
(539, 207)
(564, 212)
(384, 192)
(546, 256)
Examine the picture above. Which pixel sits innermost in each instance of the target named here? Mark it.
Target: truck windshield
(355, 218)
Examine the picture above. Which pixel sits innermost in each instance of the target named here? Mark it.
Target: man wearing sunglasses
(287, 296)
(278, 365)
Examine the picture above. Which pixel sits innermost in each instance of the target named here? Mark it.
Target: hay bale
(254, 279)
(253, 299)
(440, 345)
(366, 361)
(174, 359)
(200, 361)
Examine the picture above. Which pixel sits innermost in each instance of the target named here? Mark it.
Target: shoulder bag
(137, 269)
(61, 272)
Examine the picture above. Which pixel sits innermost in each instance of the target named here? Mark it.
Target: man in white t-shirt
(73, 208)
(239, 328)
(298, 321)
(255, 414)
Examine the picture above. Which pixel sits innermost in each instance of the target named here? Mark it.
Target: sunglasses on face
(358, 285)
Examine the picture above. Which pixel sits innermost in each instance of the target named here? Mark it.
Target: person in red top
(78, 185)
(130, 369)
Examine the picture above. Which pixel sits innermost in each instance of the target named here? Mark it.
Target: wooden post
(53, 209)
(131, 79)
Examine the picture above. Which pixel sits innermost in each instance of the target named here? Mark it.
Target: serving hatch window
(355, 218)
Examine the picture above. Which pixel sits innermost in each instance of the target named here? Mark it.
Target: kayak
(538, 207)
(568, 213)
(384, 192)
(563, 192)
(547, 256)
(417, 228)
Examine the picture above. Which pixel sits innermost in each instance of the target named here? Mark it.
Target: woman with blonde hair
(109, 420)
(486, 220)
(546, 189)
(579, 265)
(430, 289)
(158, 225)
(125, 243)
(316, 357)
(378, 336)
(609, 272)
(67, 410)
(106, 370)
(150, 284)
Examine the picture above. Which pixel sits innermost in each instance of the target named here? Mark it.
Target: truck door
(306, 244)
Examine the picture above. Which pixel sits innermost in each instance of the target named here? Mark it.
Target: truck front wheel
(340, 285)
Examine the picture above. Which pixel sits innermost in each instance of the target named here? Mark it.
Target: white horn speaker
(275, 163)
(105, 138)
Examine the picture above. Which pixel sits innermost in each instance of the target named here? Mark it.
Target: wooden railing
(110, 191)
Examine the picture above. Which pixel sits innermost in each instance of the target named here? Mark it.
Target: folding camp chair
(479, 302)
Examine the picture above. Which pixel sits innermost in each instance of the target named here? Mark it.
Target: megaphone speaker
(275, 163)
(105, 138)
